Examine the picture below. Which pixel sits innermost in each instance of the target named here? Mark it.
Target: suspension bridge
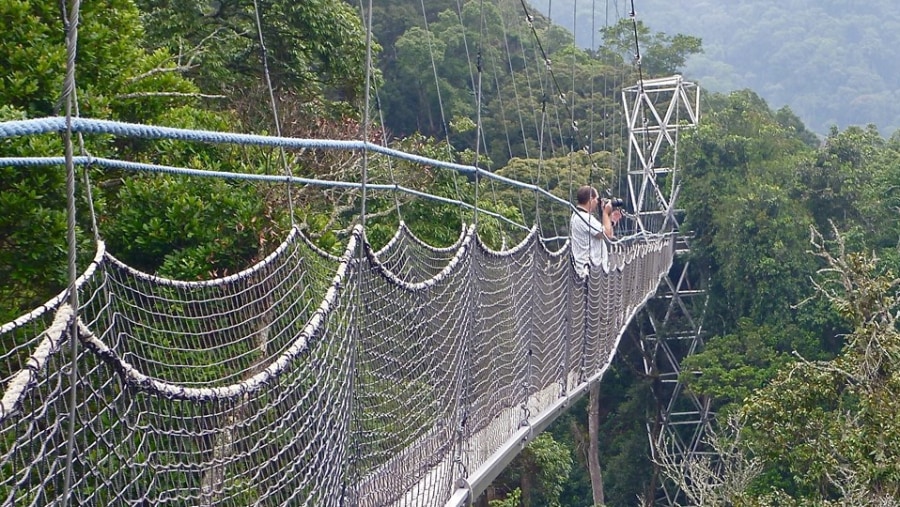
(408, 375)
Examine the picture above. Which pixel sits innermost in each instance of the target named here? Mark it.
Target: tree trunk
(594, 446)
(526, 485)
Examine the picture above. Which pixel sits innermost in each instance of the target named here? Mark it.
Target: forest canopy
(793, 222)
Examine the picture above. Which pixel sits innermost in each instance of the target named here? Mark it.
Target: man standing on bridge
(587, 234)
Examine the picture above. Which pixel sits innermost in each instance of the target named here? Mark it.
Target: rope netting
(375, 378)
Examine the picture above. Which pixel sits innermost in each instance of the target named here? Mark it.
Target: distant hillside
(834, 62)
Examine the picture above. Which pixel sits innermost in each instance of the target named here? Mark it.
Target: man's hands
(607, 219)
(614, 214)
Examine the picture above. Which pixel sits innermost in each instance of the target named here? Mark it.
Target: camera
(617, 202)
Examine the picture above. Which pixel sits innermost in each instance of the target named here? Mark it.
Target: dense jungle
(795, 234)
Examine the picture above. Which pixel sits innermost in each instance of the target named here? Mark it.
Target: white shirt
(587, 248)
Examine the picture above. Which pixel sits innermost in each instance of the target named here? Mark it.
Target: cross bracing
(656, 111)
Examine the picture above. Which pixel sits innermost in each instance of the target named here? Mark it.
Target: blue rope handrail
(92, 126)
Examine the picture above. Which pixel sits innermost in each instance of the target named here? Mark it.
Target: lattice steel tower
(656, 111)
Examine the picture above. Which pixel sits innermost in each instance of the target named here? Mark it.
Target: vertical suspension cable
(476, 88)
(518, 105)
(495, 67)
(595, 56)
(483, 136)
(621, 183)
(476, 80)
(572, 92)
(559, 97)
(265, 62)
(541, 155)
(538, 48)
(499, 91)
(365, 129)
(361, 247)
(553, 83)
(478, 66)
(390, 162)
(609, 118)
(459, 13)
(548, 71)
(574, 123)
(637, 49)
(529, 20)
(640, 98)
(437, 88)
(515, 86)
(71, 27)
(83, 151)
(557, 89)
(89, 196)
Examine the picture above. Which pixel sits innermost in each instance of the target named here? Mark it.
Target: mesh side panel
(306, 380)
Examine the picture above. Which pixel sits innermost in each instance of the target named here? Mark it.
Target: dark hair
(585, 194)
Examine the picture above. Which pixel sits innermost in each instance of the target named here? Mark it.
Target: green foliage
(315, 48)
(661, 54)
(733, 366)
(570, 430)
(185, 228)
(751, 213)
(625, 396)
(29, 216)
(115, 77)
(33, 224)
(827, 430)
(32, 55)
(739, 186)
(513, 499)
(843, 173)
(752, 189)
(540, 470)
(431, 74)
(152, 89)
(787, 119)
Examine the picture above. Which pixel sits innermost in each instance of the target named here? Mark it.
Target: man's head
(587, 198)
